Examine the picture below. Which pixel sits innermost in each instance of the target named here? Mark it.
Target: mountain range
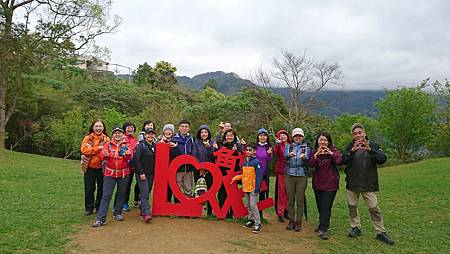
(332, 102)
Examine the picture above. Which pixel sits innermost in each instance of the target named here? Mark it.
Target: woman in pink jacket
(281, 201)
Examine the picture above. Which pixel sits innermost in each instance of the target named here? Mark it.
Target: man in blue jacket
(185, 145)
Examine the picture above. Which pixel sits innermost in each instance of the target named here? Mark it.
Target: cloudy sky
(378, 44)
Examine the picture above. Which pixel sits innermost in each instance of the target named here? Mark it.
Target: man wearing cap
(297, 155)
(361, 158)
(219, 133)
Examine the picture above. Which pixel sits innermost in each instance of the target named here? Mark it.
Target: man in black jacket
(361, 158)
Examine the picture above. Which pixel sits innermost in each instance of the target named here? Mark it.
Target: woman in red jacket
(116, 153)
(281, 201)
(325, 157)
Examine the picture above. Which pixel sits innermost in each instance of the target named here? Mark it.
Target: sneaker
(291, 225)
(126, 207)
(137, 204)
(384, 238)
(257, 229)
(249, 224)
(324, 234)
(88, 212)
(355, 232)
(118, 217)
(298, 227)
(281, 219)
(98, 223)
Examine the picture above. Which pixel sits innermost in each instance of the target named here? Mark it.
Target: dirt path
(182, 235)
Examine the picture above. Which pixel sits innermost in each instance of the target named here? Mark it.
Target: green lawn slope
(42, 205)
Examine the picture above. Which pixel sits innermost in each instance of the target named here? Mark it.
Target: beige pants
(370, 199)
(184, 181)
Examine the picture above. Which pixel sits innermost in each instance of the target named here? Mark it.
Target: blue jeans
(108, 187)
(145, 187)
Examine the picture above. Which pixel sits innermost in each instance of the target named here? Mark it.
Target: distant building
(93, 64)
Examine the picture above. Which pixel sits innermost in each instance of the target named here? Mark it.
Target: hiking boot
(324, 234)
(286, 215)
(118, 217)
(355, 232)
(88, 212)
(384, 238)
(147, 218)
(298, 226)
(126, 207)
(281, 219)
(249, 224)
(98, 223)
(291, 225)
(257, 229)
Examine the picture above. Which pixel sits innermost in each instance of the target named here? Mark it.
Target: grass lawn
(42, 202)
(415, 203)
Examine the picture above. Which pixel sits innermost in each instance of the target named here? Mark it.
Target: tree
(406, 119)
(69, 130)
(342, 135)
(144, 74)
(162, 76)
(300, 75)
(441, 141)
(60, 28)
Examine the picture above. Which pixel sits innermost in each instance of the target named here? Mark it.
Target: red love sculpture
(165, 176)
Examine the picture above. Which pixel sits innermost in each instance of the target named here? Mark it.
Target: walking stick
(305, 205)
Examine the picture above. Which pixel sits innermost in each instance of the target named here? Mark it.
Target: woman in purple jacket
(264, 155)
(325, 179)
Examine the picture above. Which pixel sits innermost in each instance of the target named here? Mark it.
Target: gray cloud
(377, 43)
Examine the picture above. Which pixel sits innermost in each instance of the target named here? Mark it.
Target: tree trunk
(5, 41)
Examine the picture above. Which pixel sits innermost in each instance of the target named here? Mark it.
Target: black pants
(93, 179)
(264, 194)
(324, 202)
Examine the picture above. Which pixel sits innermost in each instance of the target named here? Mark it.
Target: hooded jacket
(117, 159)
(326, 174)
(295, 166)
(202, 152)
(263, 157)
(89, 147)
(278, 151)
(361, 171)
(251, 175)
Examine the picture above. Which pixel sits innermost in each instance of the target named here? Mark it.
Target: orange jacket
(251, 176)
(89, 147)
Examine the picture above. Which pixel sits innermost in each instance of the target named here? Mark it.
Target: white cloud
(376, 42)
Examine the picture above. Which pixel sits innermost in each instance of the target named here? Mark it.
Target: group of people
(108, 162)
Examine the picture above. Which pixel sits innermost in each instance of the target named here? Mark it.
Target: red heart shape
(190, 160)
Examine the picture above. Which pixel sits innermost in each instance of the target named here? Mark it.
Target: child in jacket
(251, 186)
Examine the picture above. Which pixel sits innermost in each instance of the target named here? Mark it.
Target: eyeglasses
(249, 149)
